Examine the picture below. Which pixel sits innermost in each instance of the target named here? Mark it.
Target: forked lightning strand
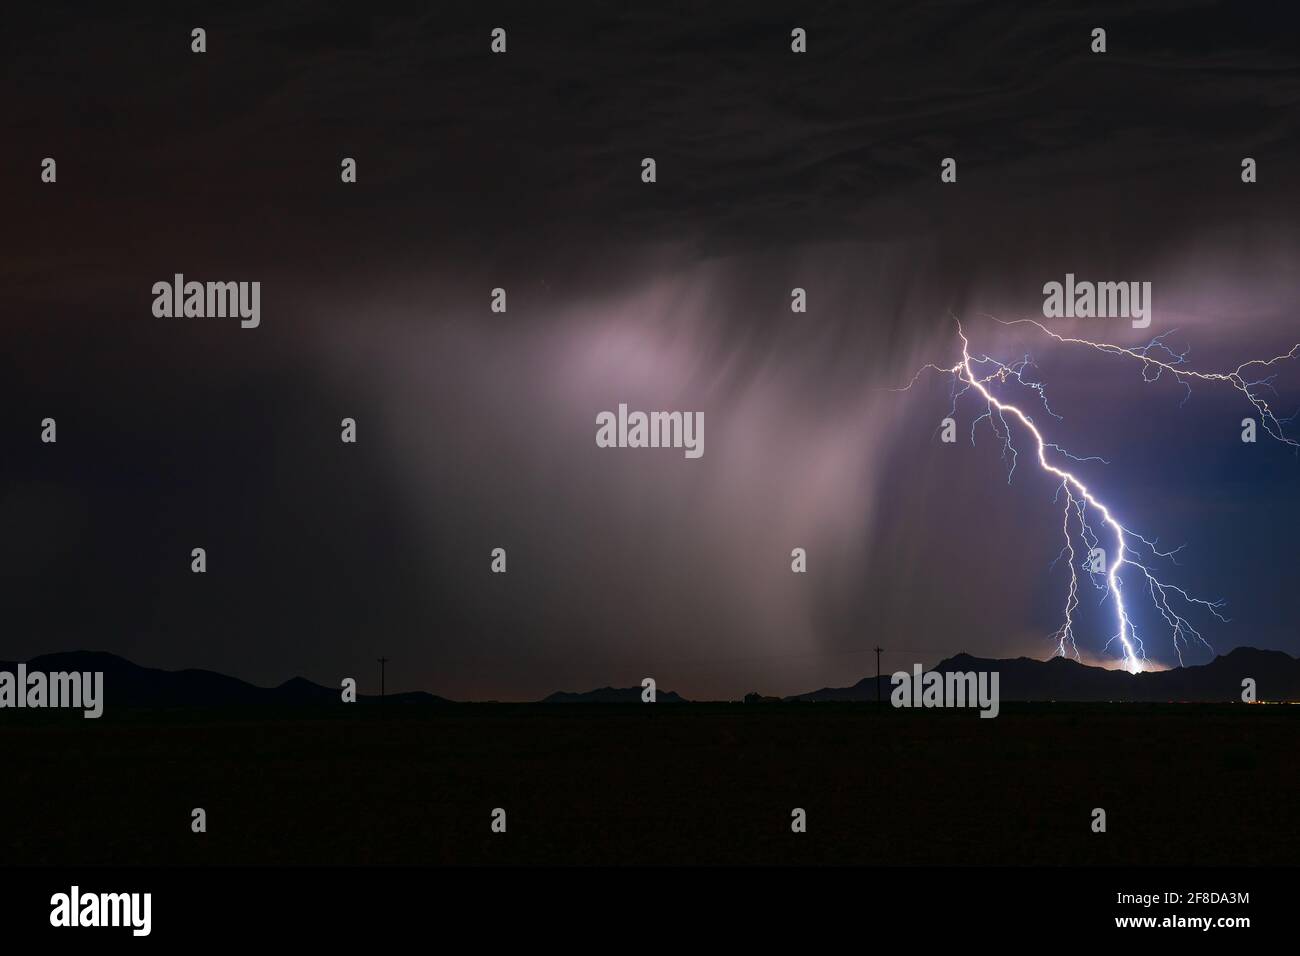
(1157, 359)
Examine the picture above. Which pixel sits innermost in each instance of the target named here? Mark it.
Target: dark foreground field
(1181, 784)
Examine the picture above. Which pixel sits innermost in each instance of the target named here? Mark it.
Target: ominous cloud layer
(477, 429)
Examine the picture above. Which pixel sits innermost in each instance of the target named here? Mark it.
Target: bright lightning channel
(1157, 359)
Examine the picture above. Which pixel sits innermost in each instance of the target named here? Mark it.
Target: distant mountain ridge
(130, 685)
(612, 695)
(1276, 675)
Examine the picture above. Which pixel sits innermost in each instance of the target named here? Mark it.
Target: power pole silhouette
(878, 650)
(384, 660)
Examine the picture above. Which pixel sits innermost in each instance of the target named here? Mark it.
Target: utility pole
(878, 650)
(384, 660)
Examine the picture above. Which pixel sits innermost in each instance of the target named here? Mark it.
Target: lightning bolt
(982, 373)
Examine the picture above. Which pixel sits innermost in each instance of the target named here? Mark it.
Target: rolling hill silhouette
(1276, 675)
(129, 685)
(612, 695)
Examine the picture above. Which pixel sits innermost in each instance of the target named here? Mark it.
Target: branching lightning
(1085, 517)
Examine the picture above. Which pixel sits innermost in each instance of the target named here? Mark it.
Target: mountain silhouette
(612, 695)
(129, 685)
(1276, 676)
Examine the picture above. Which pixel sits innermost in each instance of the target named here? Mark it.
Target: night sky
(476, 429)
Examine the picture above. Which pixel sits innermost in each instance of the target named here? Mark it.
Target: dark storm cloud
(477, 430)
(477, 155)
